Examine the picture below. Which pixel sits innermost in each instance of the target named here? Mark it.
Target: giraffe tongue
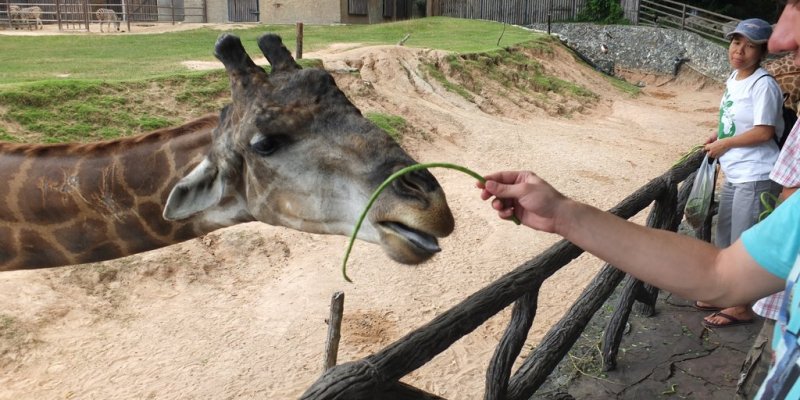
(421, 240)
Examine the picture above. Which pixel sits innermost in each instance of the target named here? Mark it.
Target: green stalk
(386, 183)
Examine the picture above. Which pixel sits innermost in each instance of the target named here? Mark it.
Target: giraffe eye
(268, 145)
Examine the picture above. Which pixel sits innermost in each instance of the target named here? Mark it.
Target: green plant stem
(386, 183)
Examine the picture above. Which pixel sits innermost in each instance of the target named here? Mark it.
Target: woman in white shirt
(749, 117)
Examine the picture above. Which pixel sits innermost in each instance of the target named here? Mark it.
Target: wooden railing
(377, 376)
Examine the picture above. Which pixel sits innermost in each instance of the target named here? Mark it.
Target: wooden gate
(243, 10)
(73, 15)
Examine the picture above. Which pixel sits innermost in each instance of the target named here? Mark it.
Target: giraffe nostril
(415, 184)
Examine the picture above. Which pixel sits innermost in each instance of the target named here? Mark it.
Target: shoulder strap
(785, 95)
(759, 78)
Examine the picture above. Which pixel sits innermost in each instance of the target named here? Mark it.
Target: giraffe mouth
(422, 241)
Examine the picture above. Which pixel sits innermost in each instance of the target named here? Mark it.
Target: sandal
(697, 306)
(732, 321)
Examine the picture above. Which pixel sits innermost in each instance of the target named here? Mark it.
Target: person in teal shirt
(763, 261)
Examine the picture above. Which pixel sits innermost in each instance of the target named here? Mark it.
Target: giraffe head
(292, 150)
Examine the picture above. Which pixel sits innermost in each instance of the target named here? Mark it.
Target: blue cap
(754, 29)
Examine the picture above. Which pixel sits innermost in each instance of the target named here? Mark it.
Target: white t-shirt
(744, 104)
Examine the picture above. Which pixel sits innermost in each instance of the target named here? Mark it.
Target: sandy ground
(240, 313)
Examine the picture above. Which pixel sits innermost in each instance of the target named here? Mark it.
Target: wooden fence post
(334, 331)
(298, 54)
(58, 14)
(8, 14)
(126, 10)
(86, 11)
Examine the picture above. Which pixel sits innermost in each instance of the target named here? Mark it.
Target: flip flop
(732, 321)
(697, 306)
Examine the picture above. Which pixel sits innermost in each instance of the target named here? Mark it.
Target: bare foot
(730, 316)
(703, 306)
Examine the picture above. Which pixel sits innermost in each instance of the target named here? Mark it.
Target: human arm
(680, 264)
(786, 192)
(757, 135)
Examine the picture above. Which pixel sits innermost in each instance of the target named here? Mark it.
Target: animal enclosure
(82, 15)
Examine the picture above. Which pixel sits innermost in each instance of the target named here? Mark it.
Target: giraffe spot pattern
(80, 237)
(151, 213)
(7, 249)
(105, 251)
(137, 238)
(50, 195)
(36, 252)
(143, 184)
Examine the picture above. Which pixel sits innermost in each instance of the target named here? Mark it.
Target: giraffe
(788, 76)
(289, 150)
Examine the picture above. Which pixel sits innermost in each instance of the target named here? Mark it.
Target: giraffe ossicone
(289, 150)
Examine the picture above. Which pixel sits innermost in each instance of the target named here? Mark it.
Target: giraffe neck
(78, 203)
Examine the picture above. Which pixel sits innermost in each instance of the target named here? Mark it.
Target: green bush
(603, 12)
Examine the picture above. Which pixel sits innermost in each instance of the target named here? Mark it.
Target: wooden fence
(666, 13)
(673, 14)
(80, 14)
(378, 375)
(519, 12)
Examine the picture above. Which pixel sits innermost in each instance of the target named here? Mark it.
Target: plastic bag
(699, 202)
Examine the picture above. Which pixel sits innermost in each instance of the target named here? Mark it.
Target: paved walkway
(670, 355)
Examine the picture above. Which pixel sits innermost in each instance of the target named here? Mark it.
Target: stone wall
(653, 50)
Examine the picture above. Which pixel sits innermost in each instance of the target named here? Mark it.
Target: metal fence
(82, 14)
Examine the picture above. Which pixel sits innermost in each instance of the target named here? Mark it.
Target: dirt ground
(240, 313)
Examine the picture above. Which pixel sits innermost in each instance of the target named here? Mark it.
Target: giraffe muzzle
(424, 242)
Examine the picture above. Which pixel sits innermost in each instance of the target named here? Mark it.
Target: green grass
(9, 328)
(435, 73)
(88, 110)
(126, 57)
(624, 86)
(393, 125)
(86, 88)
(515, 68)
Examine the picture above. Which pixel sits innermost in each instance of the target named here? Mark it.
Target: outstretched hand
(524, 195)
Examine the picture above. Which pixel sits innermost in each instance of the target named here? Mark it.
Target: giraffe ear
(198, 191)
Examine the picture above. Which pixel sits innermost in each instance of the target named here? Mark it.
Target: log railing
(377, 375)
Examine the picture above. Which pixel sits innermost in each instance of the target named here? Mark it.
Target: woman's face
(744, 54)
(786, 35)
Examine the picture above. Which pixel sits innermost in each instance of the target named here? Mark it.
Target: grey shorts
(739, 208)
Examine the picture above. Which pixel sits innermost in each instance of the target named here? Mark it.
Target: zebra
(14, 15)
(107, 15)
(32, 16)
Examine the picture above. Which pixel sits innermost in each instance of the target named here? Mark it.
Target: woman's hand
(717, 148)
